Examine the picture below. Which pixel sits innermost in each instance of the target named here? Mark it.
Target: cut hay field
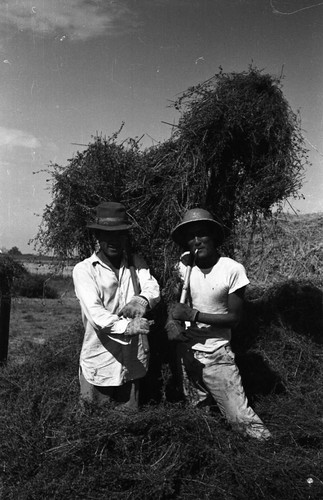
(53, 449)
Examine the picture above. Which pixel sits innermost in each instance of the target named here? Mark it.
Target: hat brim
(103, 227)
(178, 234)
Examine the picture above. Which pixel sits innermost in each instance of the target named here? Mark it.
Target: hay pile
(237, 151)
(284, 247)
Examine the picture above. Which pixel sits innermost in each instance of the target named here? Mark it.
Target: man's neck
(114, 262)
(207, 262)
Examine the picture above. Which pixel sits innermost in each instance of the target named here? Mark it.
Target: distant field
(44, 265)
(45, 268)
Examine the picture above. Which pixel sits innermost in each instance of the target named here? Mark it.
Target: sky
(72, 69)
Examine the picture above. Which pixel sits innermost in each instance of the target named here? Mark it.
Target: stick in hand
(187, 277)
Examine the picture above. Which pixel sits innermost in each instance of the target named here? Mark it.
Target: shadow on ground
(293, 306)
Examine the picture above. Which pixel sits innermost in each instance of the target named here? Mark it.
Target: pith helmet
(197, 215)
(110, 216)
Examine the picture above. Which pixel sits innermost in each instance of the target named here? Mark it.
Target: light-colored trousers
(126, 394)
(219, 380)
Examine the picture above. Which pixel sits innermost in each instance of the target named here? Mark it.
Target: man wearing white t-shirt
(203, 324)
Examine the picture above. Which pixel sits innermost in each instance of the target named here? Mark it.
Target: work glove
(137, 326)
(175, 330)
(183, 312)
(137, 307)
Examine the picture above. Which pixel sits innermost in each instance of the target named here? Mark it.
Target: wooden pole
(136, 288)
(186, 283)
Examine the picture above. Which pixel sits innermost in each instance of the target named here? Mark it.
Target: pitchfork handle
(136, 288)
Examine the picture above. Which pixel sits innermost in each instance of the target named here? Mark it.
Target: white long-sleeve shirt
(109, 358)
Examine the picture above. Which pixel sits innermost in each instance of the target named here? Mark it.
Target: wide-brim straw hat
(197, 215)
(110, 216)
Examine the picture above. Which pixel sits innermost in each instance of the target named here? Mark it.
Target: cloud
(68, 19)
(11, 137)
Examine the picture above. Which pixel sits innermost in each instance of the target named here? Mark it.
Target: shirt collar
(94, 259)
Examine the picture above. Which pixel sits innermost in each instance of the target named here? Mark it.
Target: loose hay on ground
(166, 451)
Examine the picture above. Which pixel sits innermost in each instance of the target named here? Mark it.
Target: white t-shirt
(209, 290)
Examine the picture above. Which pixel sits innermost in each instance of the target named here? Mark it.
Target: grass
(166, 451)
(52, 448)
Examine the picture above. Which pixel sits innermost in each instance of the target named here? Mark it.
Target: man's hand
(175, 330)
(136, 308)
(183, 312)
(137, 326)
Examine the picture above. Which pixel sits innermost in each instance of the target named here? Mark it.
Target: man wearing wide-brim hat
(115, 290)
(201, 323)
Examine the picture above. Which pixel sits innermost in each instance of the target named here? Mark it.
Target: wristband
(141, 300)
